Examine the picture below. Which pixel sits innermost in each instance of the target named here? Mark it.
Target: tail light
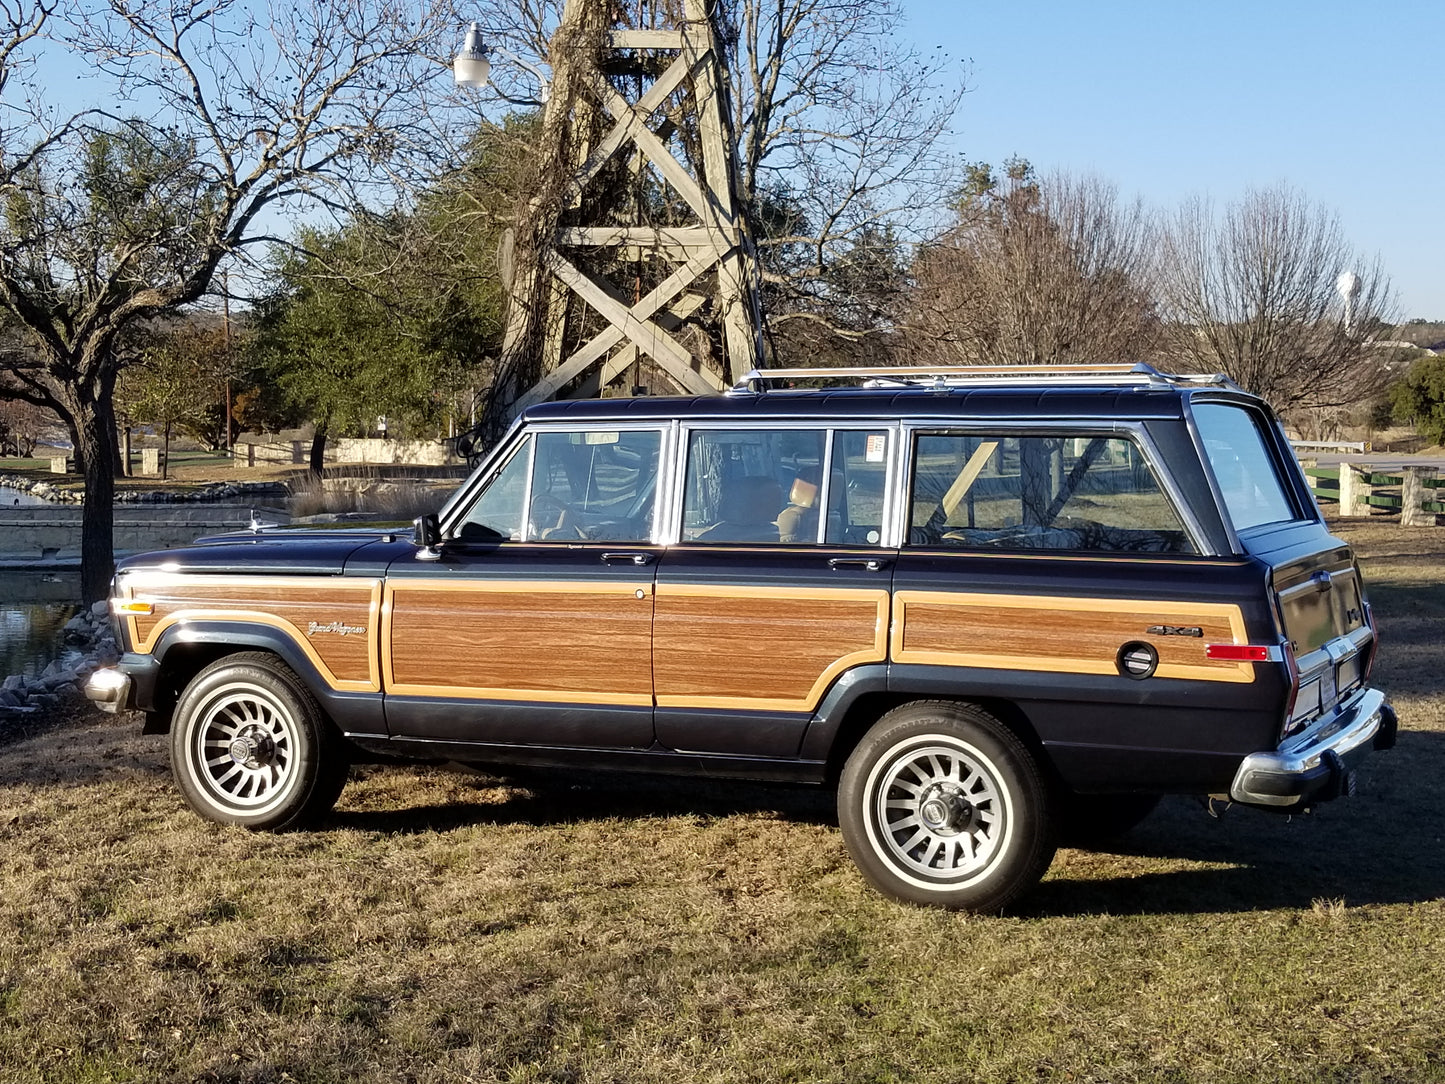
(1241, 652)
(1374, 640)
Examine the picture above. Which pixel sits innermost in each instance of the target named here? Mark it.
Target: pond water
(34, 607)
(15, 496)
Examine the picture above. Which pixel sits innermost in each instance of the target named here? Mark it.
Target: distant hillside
(1427, 333)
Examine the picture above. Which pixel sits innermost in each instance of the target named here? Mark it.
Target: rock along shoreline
(211, 491)
(23, 700)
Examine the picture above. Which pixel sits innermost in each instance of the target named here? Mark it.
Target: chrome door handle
(871, 564)
(638, 559)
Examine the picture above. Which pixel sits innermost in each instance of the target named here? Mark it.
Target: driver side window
(590, 485)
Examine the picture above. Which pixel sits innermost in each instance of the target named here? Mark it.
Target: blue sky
(1345, 102)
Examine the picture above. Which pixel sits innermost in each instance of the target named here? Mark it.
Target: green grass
(445, 927)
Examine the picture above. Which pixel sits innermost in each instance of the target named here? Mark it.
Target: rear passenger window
(786, 486)
(1092, 493)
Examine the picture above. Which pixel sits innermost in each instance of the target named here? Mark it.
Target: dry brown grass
(450, 927)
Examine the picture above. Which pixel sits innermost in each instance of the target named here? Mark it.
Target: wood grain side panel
(732, 648)
(335, 623)
(1061, 635)
(566, 642)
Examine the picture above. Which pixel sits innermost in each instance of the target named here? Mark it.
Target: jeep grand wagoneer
(986, 606)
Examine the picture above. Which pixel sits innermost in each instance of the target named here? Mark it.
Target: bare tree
(1035, 272)
(22, 427)
(207, 115)
(1254, 292)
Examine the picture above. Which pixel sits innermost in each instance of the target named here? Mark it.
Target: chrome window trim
(1135, 431)
(825, 490)
(829, 427)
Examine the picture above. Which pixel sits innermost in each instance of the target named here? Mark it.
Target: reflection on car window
(1039, 493)
(590, 485)
(594, 486)
(496, 515)
(1248, 479)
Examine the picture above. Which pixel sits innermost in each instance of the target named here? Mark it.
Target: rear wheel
(941, 804)
(250, 746)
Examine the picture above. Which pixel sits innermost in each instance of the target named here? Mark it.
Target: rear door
(777, 585)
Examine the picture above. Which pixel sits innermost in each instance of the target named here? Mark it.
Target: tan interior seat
(749, 507)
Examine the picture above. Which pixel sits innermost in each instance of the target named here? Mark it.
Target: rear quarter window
(1246, 471)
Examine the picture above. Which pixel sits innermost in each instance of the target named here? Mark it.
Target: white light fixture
(471, 68)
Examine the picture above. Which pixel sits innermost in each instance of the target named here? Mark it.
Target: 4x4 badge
(1174, 630)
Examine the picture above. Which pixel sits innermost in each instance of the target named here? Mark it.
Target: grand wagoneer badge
(340, 628)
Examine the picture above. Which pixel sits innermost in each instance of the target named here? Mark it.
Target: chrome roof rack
(955, 376)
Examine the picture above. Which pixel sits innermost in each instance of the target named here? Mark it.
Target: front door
(534, 625)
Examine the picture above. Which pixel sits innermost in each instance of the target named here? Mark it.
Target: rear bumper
(1317, 764)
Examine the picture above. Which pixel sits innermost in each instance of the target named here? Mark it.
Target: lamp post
(473, 68)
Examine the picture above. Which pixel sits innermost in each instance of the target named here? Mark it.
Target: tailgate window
(1249, 479)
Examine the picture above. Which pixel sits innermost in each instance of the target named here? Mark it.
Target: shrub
(1418, 398)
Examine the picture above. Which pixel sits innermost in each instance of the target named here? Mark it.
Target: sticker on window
(877, 448)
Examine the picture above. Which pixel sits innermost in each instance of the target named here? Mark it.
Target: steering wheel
(550, 518)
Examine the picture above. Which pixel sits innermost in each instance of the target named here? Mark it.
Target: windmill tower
(630, 264)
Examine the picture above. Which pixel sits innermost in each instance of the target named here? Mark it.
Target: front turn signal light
(131, 606)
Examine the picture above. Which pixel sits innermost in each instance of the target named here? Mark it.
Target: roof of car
(1034, 392)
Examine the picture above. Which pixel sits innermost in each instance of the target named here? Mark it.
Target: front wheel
(941, 804)
(249, 746)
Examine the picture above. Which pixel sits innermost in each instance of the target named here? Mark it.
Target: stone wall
(422, 453)
(50, 535)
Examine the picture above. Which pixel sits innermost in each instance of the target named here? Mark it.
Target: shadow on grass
(1382, 847)
(572, 797)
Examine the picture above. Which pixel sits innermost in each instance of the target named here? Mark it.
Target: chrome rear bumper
(1317, 764)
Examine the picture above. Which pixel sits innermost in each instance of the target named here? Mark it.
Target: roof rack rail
(950, 376)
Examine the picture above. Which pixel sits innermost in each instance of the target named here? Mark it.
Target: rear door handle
(631, 558)
(870, 564)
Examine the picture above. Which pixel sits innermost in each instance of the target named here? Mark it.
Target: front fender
(184, 649)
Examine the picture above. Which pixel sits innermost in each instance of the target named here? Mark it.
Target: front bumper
(109, 689)
(128, 686)
(1319, 763)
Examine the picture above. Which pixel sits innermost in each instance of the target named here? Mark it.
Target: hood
(299, 551)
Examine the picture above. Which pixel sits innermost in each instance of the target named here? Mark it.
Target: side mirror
(427, 534)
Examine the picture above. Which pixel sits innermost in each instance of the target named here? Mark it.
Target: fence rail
(1414, 492)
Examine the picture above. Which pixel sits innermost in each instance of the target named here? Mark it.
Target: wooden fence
(1414, 492)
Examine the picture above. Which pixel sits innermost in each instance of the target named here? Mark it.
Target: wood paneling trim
(341, 662)
(1061, 634)
(858, 619)
(586, 665)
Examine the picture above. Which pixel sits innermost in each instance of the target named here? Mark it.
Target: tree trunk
(318, 450)
(96, 460)
(166, 452)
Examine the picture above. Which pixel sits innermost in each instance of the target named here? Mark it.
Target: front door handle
(630, 558)
(870, 564)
